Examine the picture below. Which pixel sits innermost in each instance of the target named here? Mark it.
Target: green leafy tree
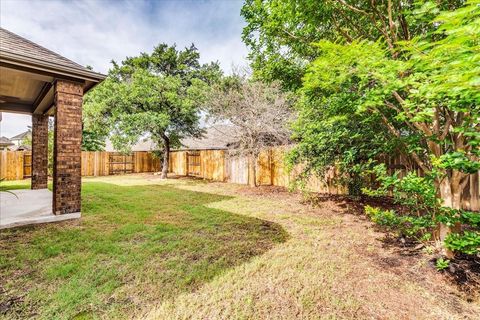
(431, 95)
(92, 141)
(280, 33)
(286, 37)
(26, 141)
(157, 94)
(404, 80)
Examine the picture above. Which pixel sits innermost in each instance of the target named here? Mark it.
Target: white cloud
(13, 124)
(95, 32)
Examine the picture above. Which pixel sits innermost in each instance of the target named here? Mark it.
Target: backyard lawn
(134, 246)
(185, 249)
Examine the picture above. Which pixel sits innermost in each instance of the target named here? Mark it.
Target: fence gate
(120, 163)
(193, 163)
(27, 165)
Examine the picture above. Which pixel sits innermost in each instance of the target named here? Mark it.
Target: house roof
(21, 148)
(215, 137)
(4, 141)
(18, 50)
(142, 145)
(28, 73)
(22, 135)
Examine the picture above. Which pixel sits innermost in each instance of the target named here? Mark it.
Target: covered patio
(42, 83)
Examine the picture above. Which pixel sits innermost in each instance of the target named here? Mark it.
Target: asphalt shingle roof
(13, 43)
(21, 135)
(5, 141)
(215, 137)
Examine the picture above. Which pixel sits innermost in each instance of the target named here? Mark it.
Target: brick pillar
(67, 147)
(39, 151)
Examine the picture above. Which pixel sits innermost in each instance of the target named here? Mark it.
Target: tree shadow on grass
(133, 247)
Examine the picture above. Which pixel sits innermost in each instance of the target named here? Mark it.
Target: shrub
(382, 217)
(424, 210)
(408, 226)
(467, 242)
(442, 264)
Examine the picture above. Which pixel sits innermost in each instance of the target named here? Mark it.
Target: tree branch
(397, 96)
(463, 182)
(393, 29)
(420, 126)
(353, 8)
(396, 133)
(403, 22)
(337, 26)
(446, 130)
(352, 23)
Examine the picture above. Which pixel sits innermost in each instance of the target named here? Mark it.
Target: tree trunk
(166, 156)
(450, 190)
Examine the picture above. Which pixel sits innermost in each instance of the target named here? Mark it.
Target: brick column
(67, 147)
(39, 151)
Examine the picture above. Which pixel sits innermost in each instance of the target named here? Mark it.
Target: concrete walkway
(28, 207)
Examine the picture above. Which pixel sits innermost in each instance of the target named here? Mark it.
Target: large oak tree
(158, 95)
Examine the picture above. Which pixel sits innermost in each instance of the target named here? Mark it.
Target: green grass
(17, 184)
(134, 247)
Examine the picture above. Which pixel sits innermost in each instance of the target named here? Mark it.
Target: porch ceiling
(28, 71)
(22, 91)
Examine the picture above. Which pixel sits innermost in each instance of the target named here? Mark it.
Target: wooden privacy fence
(99, 163)
(206, 164)
(16, 165)
(219, 165)
(12, 164)
(215, 165)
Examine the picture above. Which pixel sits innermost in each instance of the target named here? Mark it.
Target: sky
(93, 32)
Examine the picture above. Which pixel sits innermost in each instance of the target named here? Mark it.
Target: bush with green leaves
(442, 264)
(417, 196)
(415, 192)
(419, 228)
(382, 217)
(466, 242)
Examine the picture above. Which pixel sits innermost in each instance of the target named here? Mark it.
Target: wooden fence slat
(12, 166)
(237, 169)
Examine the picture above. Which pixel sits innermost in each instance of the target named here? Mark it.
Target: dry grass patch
(333, 266)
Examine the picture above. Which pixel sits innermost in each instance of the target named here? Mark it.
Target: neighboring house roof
(22, 135)
(142, 145)
(4, 141)
(17, 49)
(215, 137)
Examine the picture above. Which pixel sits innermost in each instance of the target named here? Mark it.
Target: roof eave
(52, 69)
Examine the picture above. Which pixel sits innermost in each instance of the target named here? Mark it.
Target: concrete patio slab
(29, 207)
